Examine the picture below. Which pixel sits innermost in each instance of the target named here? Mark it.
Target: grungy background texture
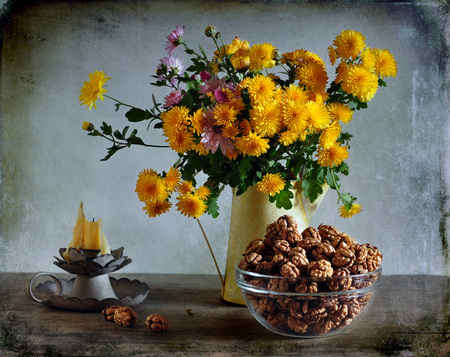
(399, 160)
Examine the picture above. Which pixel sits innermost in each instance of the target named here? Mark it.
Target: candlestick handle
(29, 288)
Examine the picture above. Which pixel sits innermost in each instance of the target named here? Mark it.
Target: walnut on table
(125, 316)
(157, 323)
(108, 312)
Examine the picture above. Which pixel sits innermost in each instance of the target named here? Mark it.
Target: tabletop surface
(409, 316)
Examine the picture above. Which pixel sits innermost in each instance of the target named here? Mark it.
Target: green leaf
(347, 199)
(106, 129)
(187, 100)
(213, 207)
(135, 115)
(283, 199)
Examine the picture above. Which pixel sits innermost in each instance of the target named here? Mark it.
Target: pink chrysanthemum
(174, 67)
(174, 39)
(212, 136)
(173, 98)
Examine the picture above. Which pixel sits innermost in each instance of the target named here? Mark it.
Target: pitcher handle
(29, 289)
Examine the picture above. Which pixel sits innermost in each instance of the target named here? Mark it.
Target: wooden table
(409, 317)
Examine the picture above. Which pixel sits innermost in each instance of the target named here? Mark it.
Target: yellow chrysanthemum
(329, 135)
(238, 104)
(153, 209)
(245, 126)
(261, 56)
(232, 131)
(261, 89)
(191, 205)
(332, 55)
(349, 43)
(340, 111)
(200, 149)
(185, 187)
(295, 115)
(334, 155)
(198, 122)
(385, 64)
(288, 137)
(175, 119)
(150, 187)
(312, 75)
(172, 179)
(252, 144)
(368, 59)
(360, 82)
(341, 71)
(203, 192)
(231, 154)
(239, 49)
(224, 114)
(87, 126)
(181, 140)
(318, 117)
(296, 93)
(266, 119)
(354, 209)
(93, 89)
(271, 184)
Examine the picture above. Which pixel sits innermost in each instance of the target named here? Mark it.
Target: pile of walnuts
(126, 317)
(329, 258)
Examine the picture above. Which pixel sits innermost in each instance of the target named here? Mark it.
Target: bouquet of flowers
(249, 116)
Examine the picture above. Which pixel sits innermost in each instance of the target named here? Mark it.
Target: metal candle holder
(92, 289)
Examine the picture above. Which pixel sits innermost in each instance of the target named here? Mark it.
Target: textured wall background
(399, 161)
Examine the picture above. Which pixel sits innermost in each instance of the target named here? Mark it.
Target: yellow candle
(87, 235)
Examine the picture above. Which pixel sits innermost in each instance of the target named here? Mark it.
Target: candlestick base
(86, 293)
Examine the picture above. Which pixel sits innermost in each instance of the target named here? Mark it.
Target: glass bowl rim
(249, 288)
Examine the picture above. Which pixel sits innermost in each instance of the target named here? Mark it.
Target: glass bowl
(307, 307)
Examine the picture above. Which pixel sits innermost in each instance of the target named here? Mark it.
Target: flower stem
(211, 251)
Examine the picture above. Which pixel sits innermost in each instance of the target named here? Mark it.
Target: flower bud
(87, 126)
(210, 31)
(218, 35)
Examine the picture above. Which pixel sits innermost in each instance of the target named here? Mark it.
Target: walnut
(278, 319)
(279, 259)
(243, 265)
(320, 268)
(286, 222)
(339, 314)
(284, 304)
(266, 306)
(311, 232)
(344, 257)
(256, 246)
(293, 237)
(374, 257)
(258, 282)
(340, 283)
(308, 288)
(125, 316)
(347, 239)
(361, 253)
(314, 315)
(271, 230)
(327, 232)
(359, 268)
(253, 258)
(297, 256)
(108, 312)
(278, 284)
(311, 238)
(296, 325)
(323, 251)
(290, 270)
(281, 246)
(264, 267)
(157, 323)
(298, 308)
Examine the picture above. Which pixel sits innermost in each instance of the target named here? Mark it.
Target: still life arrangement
(249, 116)
(267, 124)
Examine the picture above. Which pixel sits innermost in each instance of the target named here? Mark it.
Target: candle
(87, 235)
